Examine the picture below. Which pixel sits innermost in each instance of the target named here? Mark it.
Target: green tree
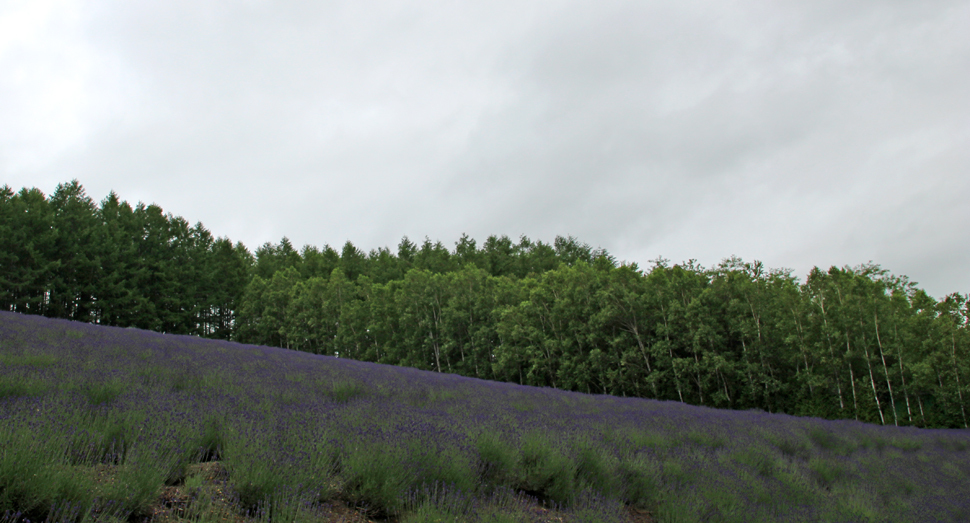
(227, 273)
(263, 314)
(378, 316)
(675, 289)
(383, 266)
(353, 261)
(469, 337)
(626, 305)
(552, 329)
(434, 257)
(273, 258)
(466, 251)
(317, 262)
(77, 277)
(498, 256)
(954, 347)
(119, 296)
(421, 301)
(535, 258)
(28, 252)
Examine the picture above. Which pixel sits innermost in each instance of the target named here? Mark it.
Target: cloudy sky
(795, 133)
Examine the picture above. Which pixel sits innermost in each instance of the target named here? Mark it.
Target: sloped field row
(99, 423)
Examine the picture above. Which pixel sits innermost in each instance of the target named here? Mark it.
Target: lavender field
(101, 423)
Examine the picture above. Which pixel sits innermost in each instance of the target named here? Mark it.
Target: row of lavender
(293, 428)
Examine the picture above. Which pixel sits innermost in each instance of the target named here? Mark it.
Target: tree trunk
(670, 349)
(872, 380)
(885, 368)
(700, 391)
(921, 413)
(801, 347)
(956, 374)
(828, 339)
(902, 375)
(747, 363)
(726, 392)
(855, 399)
(643, 351)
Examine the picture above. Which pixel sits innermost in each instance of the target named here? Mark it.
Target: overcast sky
(795, 133)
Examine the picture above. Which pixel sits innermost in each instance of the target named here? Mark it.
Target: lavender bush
(95, 421)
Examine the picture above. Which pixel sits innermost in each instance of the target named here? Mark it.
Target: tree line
(851, 342)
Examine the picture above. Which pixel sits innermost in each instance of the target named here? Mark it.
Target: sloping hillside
(100, 421)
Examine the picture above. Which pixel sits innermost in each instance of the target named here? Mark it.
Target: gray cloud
(807, 134)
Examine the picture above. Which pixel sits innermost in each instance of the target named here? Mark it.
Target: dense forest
(851, 342)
